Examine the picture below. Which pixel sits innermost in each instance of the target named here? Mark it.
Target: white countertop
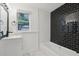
(12, 37)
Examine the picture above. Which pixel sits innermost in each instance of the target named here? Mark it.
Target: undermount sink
(12, 37)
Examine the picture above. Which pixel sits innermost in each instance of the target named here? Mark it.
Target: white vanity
(11, 46)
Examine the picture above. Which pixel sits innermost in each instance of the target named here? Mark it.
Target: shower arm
(6, 9)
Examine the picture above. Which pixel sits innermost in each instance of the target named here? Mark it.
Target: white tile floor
(39, 53)
(47, 50)
(43, 51)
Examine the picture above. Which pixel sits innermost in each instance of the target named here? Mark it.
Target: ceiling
(46, 6)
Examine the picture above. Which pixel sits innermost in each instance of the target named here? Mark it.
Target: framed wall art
(23, 20)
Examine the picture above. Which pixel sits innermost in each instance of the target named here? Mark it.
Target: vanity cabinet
(11, 47)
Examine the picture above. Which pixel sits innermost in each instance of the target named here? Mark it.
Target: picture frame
(23, 20)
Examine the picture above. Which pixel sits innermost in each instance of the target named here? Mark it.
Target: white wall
(15, 7)
(40, 26)
(44, 27)
(30, 38)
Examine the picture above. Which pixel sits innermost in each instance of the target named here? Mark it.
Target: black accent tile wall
(65, 26)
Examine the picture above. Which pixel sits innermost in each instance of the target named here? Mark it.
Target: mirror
(4, 20)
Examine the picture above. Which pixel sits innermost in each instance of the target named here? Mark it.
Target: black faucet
(1, 34)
